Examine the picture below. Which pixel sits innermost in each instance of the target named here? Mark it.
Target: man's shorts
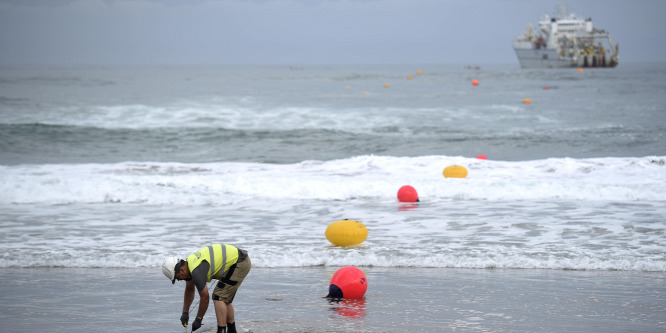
(228, 286)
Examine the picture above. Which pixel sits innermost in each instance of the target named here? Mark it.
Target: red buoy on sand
(348, 282)
(407, 194)
(482, 157)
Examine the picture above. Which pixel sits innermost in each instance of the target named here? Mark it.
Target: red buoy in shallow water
(348, 282)
(407, 194)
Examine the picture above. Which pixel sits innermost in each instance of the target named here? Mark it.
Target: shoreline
(290, 300)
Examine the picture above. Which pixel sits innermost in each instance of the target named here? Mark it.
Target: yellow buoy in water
(455, 171)
(346, 232)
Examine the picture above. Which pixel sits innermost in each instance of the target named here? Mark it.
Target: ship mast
(562, 11)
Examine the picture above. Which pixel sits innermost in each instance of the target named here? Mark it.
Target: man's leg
(224, 293)
(231, 321)
(221, 313)
(230, 313)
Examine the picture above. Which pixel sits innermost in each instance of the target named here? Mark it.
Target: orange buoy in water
(419, 72)
(527, 101)
(580, 70)
(348, 282)
(409, 77)
(407, 194)
(475, 82)
(346, 233)
(482, 157)
(455, 171)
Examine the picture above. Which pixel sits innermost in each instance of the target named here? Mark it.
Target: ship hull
(549, 58)
(542, 58)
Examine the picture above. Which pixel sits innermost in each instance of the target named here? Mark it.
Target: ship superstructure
(565, 41)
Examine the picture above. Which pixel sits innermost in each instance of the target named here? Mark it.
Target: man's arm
(203, 305)
(189, 296)
(199, 278)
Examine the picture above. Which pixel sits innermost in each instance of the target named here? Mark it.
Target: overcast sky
(303, 32)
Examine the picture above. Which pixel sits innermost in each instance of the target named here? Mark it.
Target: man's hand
(185, 318)
(196, 324)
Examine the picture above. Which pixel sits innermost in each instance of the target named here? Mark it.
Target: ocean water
(122, 166)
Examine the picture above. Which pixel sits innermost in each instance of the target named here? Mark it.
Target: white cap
(169, 268)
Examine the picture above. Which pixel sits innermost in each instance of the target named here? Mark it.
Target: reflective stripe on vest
(212, 261)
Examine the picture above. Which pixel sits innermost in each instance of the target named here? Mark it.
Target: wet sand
(290, 300)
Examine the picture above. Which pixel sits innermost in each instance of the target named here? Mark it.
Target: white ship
(565, 41)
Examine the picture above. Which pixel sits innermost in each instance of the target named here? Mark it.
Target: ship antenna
(562, 11)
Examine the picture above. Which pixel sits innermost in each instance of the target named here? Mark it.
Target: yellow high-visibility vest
(223, 256)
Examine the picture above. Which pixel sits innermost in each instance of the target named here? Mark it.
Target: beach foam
(374, 178)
